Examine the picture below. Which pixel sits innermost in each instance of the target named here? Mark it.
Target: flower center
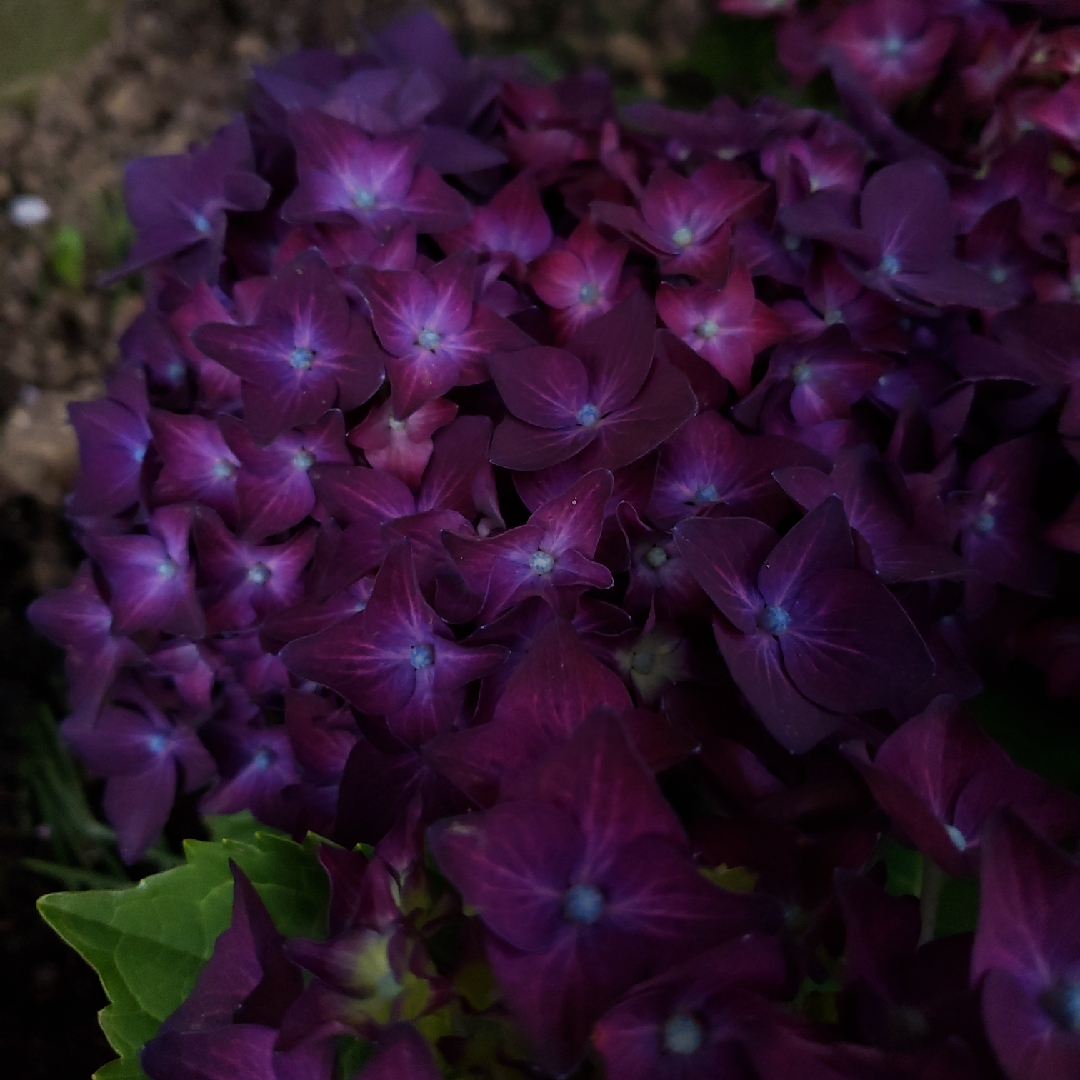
(157, 742)
(259, 574)
(583, 904)
(201, 223)
(706, 494)
(428, 339)
(833, 317)
(176, 372)
(892, 46)
(801, 373)
(167, 568)
(263, 759)
(1062, 1004)
(890, 265)
(656, 557)
(363, 199)
(957, 837)
(682, 236)
(791, 243)
(682, 1034)
(984, 523)
(588, 416)
(395, 425)
(422, 656)
(774, 620)
(301, 358)
(303, 459)
(707, 329)
(999, 275)
(643, 662)
(541, 562)
(223, 470)
(139, 454)
(589, 293)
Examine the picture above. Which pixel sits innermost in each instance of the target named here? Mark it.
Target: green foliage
(148, 942)
(79, 841)
(1037, 732)
(737, 56)
(955, 907)
(958, 907)
(904, 868)
(67, 257)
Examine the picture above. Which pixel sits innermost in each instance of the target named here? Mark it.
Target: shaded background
(85, 85)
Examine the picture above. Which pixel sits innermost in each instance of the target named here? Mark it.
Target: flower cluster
(956, 67)
(593, 528)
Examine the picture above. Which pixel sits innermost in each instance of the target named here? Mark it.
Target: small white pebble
(28, 210)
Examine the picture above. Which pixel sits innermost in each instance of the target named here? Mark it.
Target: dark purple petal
(512, 863)
(820, 542)
(725, 555)
(756, 665)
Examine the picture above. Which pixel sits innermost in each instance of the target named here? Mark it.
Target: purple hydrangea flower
(304, 353)
(806, 636)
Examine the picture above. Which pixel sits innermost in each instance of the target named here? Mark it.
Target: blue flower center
(998, 275)
(428, 339)
(985, 523)
(589, 293)
(588, 416)
(583, 904)
(892, 46)
(957, 837)
(890, 265)
(201, 223)
(157, 742)
(303, 459)
(833, 317)
(259, 574)
(802, 373)
(774, 620)
(682, 236)
(791, 243)
(263, 759)
(656, 557)
(167, 568)
(1062, 1004)
(422, 656)
(301, 358)
(643, 662)
(708, 329)
(176, 372)
(706, 494)
(395, 425)
(682, 1034)
(139, 454)
(363, 199)
(223, 470)
(541, 562)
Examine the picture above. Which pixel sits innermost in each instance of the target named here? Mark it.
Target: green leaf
(67, 257)
(1037, 732)
(242, 827)
(958, 907)
(735, 56)
(904, 868)
(149, 942)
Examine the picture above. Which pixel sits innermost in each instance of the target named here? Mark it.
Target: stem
(933, 877)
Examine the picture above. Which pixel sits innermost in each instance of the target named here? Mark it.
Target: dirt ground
(169, 73)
